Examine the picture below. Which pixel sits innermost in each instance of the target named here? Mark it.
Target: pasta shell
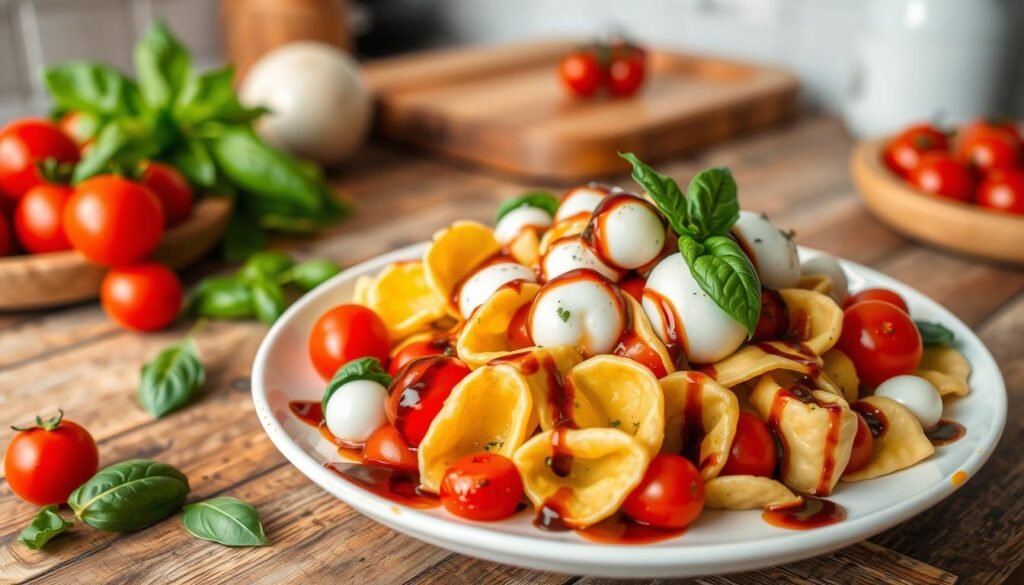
(568, 227)
(525, 247)
(752, 361)
(902, 443)
(946, 368)
(361, 290)
(455, 252)
(840, 370)
(643, 330)
(699, 409)
(746, 492)
(402, 299)
(485, 335)
(814, 318)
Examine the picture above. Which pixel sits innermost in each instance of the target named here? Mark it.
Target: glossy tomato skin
(483, 487)
(753, 449)
(881, 340)
(113, 221)
(519, 328)
(581, 73)
(142, 297)
(1003, 190)
(626, 71)
(43, 467)
(171, 188)
(863, 446)
(670, 495)
(6, 237)
(39, 219)
(988, 148)
(941, 174)
(418, 391)
(388, 448)
(878, 294)
(23, 144)
(1007, 127)
(903, 153)
(773, 323)
(414, 350)
(345, 333)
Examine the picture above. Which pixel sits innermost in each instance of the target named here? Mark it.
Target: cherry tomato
(863, 446)
(113, 221)
(987, 149)
(581, 73)
(1003, 190)
(6, 241)
(753, 449)
(387, 447)
(519, 328)
(671, 494)
(634, 286)
(879, 294)
(39, 219)
(143, 297)
(47, 462)
(940, 174)
(1006, 126)
(903, 153)
(635, 349)
(79, 126)
(774, 320)
(345, 333)
(24, 144)
(484, 486)
(171, 188)
(881, 340)
(626, 71)
(416, 349)
(418, 392)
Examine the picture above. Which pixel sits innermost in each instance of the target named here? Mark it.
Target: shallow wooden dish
(46, 280)
(953, 225)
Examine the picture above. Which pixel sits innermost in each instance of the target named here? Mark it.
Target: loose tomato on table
(144, 297)
(113, 221)
(863, 447)
(989, 148)
(387, 447)
(941, 174)
(881, 340)
(903, 153)
(1003, 190)
(878, 294)
(581, 73)
(39, 219)
(753, 449)
(24, 146)
(46, 462)
(414, 350)
(418, 391)
(171, 188)
(345, 333)
(670, 495)
(484, 487)
(627, 70)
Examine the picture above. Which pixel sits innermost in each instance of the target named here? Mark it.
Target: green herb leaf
(934, 333)
(367, 368)
(265, 264)
(539, 199)
(90, 87)
(663, 190)
(225, 520)
(47, 524)
(162, 65)
(111, 140)
(211, 96)
(563, 314)
(311, 274)
(222, 297)
(614, 423)
(172, 379)
(130, 495)
(193, 160)
(725, 273)
(243, 238)
(711, 203)
(268, 299)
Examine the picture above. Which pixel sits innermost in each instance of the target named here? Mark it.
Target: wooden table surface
(74, 358)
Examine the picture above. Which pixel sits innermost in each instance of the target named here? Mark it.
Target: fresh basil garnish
(711, 204)
(311, 274)
(94, 88)
(225, 520)
(270, 264)
(663, 190)
(268, 299)
(725, 273)
(130, 495)
(193, 159)
(539, 199)
(367, 368)
(47, 524)
(172, 379)
(162, 65)
(222, 297)
(934, 333)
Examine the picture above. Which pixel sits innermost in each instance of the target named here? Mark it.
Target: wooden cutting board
(504, 107)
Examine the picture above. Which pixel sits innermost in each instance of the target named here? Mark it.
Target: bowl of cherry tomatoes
(961, 190)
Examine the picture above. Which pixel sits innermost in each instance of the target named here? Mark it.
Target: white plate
(719, 542)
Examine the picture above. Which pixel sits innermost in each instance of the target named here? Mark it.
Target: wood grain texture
(74, 358)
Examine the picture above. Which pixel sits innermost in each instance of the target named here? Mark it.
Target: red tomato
(418, 392)
(39, 219)
(1003, 190)
(903, 153)
(671, 494)
(47, 462)
(1006, 126)
(634, 286)
(939, 173)
(881, 340)
(416, 349)
(635, 349)
(986, 149)
(879, 294)
(863, 446)
(753, 449)
(24, 144)
(387, 447)
(774, 320)
(143, 297)
(626, 71)
(6, 242)
(581, 73)
(171, 188)
(113, 221)
(519, 328)
(484, 486)
(345, 333)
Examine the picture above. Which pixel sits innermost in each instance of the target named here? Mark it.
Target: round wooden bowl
(953, 225)
(60, 278)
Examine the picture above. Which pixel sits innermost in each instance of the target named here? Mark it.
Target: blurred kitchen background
(880, 62)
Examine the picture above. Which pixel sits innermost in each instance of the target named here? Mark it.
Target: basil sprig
(310, 274)
(225, 520)
(539, 199)
(702, 219)
(130, 495)
(934, 333)
(172, 380)
(367, 368)
(46, 525)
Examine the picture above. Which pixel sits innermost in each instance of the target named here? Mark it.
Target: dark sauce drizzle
(945, 432)
(804, 515)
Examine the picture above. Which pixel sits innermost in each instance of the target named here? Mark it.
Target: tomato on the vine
(345, 333)
(416, 349)
(113, 221)
(48, 461)
(39, 219)
(863, 447)
(387, 447)
(753, 449)
(484, 487)
(878, 294)
(24, 145)
(903, 153)
(143, 297)
(627, 70)
(670, 495)
(418, 391)
(171, 188)
(581, 73)
(941, 174)
(881, 340)
(1003, 190)
(989, 148)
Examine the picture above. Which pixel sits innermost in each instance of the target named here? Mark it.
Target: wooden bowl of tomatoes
(963, 191)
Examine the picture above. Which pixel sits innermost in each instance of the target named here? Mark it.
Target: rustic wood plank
(457, 569)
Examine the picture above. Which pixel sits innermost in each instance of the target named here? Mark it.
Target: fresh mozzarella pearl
(580, 200)
(627, 231)
(771, 251)
(356, 410)
(705, 331)
(915, 393)
(519, 219)
(570, 253)
(824, 264)
(481, 285)
(580, 309)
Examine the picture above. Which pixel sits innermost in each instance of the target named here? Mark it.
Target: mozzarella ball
(820, 263)
(356, 410)
(481, 285)
(626, 231)
(569, 253)
(917, 395)
(581, 200)
(581, 310)
(771, 251)
(519, 219)
(705, 331)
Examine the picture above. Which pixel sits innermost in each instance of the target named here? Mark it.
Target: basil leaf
(162, 65)
(222, 297)
(663, 190)
(268, 299)
(367, 368)
(193, 160)
(539, 199)
(172, 379)
(211, 96)
(225, 520)
(111, 140)
(311, 273)
(725, 273)
(47, 524)
(242, 238)
(265, 264)
(711, 204)
(934, 333)
(90, 87)
(130, 495)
